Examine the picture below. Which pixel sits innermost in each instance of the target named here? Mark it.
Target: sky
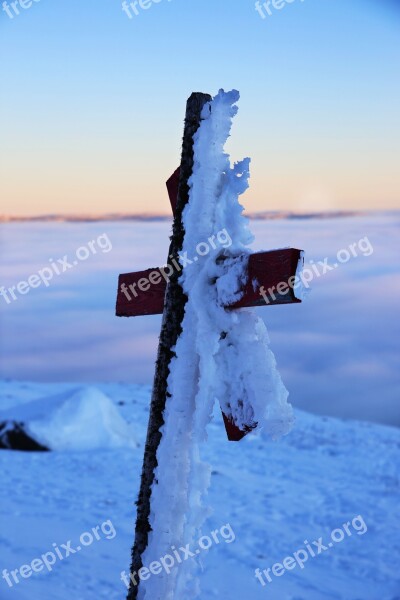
(92, 101)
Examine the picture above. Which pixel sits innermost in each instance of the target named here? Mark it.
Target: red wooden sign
(142, 293)
(270, 280)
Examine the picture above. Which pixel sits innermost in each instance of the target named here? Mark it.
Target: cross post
(158, 291)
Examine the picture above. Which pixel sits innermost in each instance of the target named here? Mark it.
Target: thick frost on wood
(220, 355)
(236, 365)
(171, 328)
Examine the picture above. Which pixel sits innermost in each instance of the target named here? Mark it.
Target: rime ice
(221, 355)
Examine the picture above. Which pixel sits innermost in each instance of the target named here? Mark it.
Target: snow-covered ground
(274, 496)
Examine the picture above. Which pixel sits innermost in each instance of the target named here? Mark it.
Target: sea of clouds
(338, 352)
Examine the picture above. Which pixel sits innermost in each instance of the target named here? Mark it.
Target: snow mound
(81, 419)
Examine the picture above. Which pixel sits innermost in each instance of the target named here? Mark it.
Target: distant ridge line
(264, 216)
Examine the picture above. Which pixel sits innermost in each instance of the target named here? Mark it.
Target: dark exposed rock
(14, 437)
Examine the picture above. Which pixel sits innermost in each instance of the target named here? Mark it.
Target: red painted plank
(172, 187)
(269, 270)
(142, 293)
(133, 301)
(234, 434)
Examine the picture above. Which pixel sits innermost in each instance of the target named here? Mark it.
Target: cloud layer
(337, 352)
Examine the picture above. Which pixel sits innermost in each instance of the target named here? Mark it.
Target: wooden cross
(158, 291)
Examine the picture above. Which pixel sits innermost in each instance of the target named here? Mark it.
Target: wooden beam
(136, 297)
(171, 328)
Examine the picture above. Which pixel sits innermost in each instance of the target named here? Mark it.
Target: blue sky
(93, 102)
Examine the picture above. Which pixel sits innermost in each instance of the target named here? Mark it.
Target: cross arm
(142, 292)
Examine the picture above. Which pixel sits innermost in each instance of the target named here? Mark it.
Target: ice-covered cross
(268, 278)
(208, 349)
